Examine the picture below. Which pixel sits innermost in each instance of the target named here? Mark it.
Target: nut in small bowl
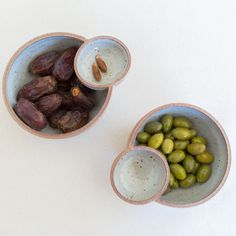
(102, 62)
(53, 80)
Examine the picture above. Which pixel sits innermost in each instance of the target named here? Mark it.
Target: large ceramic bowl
(17, 74)
(218, 144)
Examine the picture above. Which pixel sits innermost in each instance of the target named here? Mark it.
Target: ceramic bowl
(139, 175)
(218, 144)
(17, 74)
(115, 54)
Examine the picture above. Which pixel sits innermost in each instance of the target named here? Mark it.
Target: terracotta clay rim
(154, 197)
(10, 109)
(97, 86)
(132, 139)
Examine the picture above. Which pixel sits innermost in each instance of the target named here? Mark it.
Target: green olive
(181, 133)
(189, 181)
(172, 180)
(182, 122)
(181, 144)
(178, 171)
(176, 156)
(175, 184)
(205, 158)
(199, 139)
(169, 135)
(203, 173)
(153, 127)
(189, 164)
(167, 122)
(195, 168)
(143, 137)
(196, 148)
(156, 140)
(193, 133)
(167, 146)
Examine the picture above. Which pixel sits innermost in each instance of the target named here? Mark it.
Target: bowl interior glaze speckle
(17, 75)
(112, 51)
(218, 144)
(140, 175)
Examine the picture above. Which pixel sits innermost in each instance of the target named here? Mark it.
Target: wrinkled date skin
(55, 117)
(28, 112)
(43, 64)
(64, 66)
(48, 104)
(86, 102)
(67, 102)
(73, 120)
(37, 88)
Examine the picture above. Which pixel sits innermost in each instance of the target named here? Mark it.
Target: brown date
(37, 88)
(64, 66)
(86, 102)
(63, 86)
(43, 64)
(28, 112)
(55, 117)
(48, 104)
(67, 102)
(73, 120)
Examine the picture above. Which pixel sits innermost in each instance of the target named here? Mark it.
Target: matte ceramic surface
(140, 175)
(218, 144)
(17, 75)
(112, 51)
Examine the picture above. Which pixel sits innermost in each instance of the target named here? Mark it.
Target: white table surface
(182, 51)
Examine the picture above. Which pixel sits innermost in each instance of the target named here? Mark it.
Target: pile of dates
(56, 96)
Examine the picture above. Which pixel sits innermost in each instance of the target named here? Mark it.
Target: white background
(182, 51)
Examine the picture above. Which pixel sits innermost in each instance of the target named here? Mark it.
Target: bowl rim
(102, 86)
(155, 196)
(12, 112)
(132, 138)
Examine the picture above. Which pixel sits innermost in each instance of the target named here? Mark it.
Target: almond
(96, 72)
(101, 64)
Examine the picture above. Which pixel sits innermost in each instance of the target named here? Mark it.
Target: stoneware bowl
(139, 175)
(218, 144)
(115, 54)
(16, 75)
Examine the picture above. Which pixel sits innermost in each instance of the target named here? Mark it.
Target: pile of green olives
(186, 153)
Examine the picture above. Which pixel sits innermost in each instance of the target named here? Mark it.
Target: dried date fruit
(81, 99)
(67, 102)
(37, 88)
(63, 86)
(64, 66)
(43, 64)
(28, 112)
(72, 120)
(49, 103)
(55, 117)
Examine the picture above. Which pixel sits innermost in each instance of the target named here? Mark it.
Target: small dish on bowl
(139, 175)
(218, 145)
(17, 74)
(114, 53)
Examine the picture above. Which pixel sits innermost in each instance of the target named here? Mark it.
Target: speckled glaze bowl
(139, 175)
(218, 144)
(115, 54)
(17, 74)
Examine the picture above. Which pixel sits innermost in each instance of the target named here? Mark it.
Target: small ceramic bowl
(17, 74)
(218, 144)
(139, 175)
(115, 54)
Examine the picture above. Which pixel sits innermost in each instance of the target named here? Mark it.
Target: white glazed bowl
(139, 175)
(218, 144)
(115, 54)
(17, 74)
